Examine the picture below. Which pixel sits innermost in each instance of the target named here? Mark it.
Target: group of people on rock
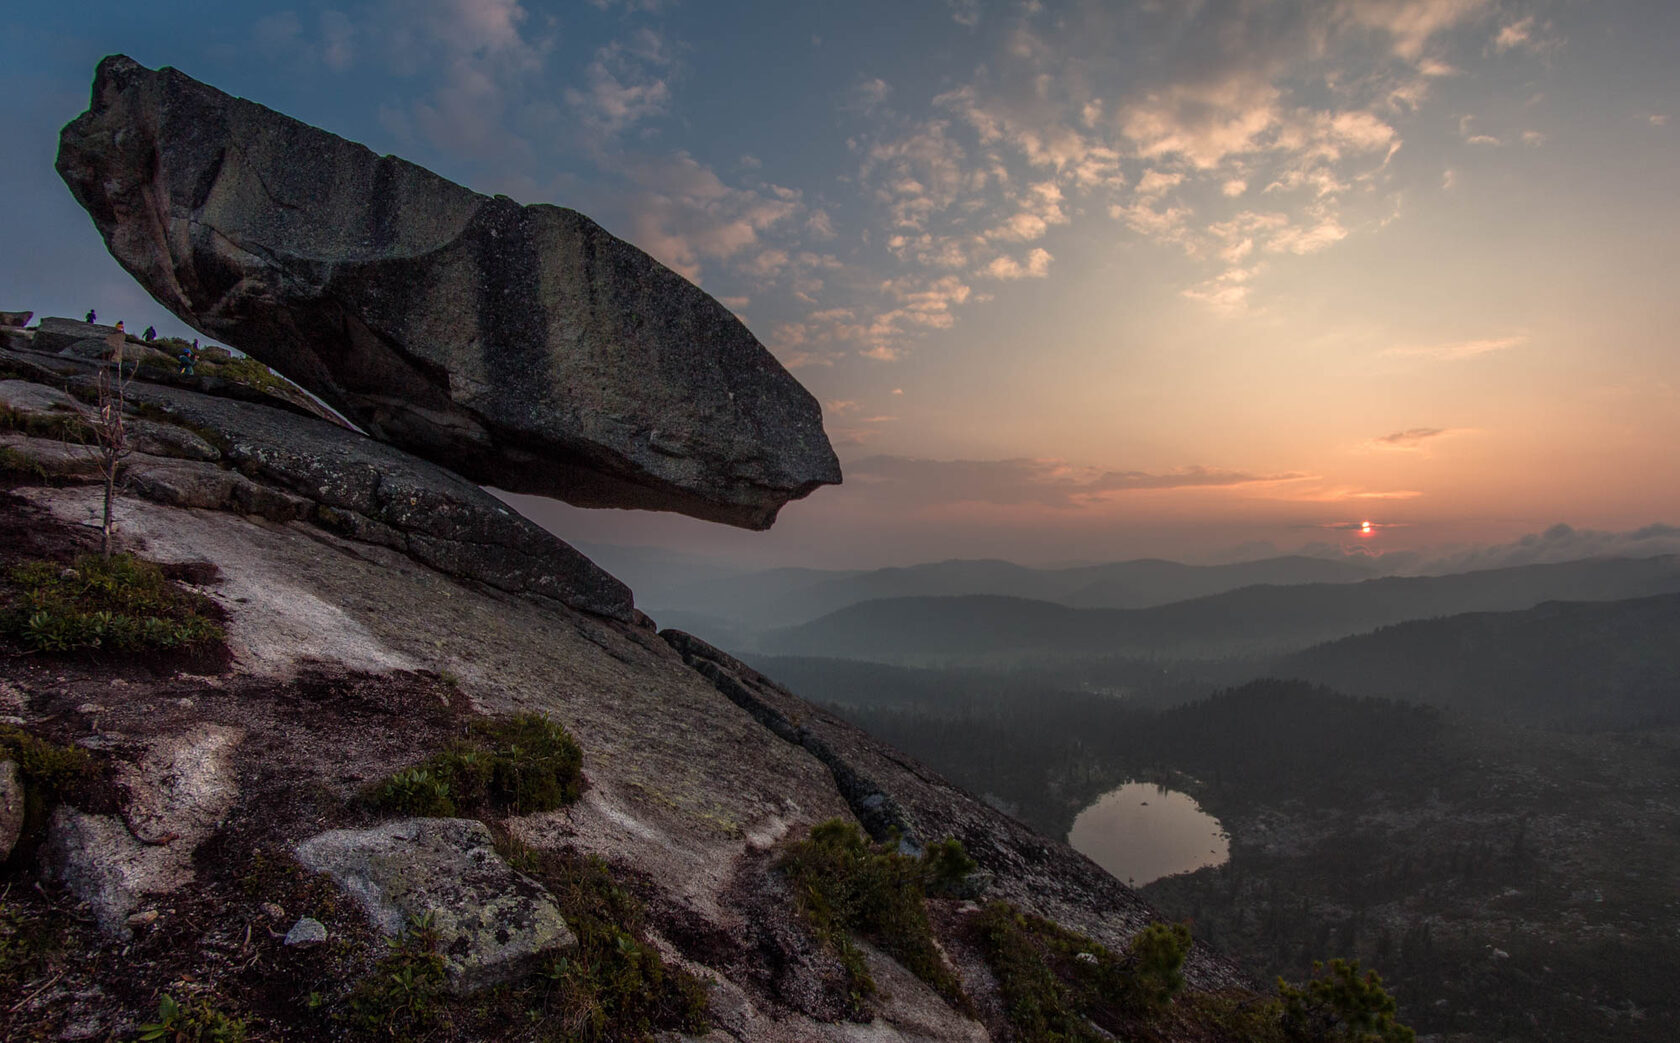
(187, 357)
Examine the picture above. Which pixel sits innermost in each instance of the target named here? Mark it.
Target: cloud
(1559, 543)
(1228, 291)
(476, 62)
(621, 87)
(964, 12)
(338, 37)
(1036, 265)
(1514, 34)
(1457, 350)
(1049, 483)
(868, 94)
(1525, 34)
(1412, 439)
(1155, 182)
(1410, 24)
(682, 213)
(1203, 122)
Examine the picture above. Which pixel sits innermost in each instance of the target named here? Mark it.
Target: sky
(1073, 281)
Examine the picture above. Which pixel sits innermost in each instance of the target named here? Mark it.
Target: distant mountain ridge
(787, 596)
(1612, 664)
(1255, 619)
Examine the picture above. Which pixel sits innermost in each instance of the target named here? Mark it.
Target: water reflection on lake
(1142, 832)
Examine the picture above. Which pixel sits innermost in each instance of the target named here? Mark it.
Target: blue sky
(1072, 280)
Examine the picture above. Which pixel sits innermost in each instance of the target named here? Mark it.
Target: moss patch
(846, 886)
(517, 765)
(120, 603)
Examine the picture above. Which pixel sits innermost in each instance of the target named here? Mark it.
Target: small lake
(1142, 832)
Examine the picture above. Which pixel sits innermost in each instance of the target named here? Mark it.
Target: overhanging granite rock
(521, 346)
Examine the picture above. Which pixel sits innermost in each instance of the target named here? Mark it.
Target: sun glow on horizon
(1365, 528)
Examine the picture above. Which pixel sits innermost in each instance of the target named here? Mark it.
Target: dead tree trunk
(110, 434)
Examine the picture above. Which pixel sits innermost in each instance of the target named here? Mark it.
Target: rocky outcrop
(11, 807)
(178, 792)
(15, 318)
(522, 346)
(204, 451)
(60, 334)
(695, 788)
(875, 809)
(493, 924)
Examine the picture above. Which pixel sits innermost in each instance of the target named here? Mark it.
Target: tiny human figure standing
(92, 317)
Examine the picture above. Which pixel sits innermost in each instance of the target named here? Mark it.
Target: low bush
(1055, 984)
(517, 765)
(948, 867)
(613, 985)
(1342, 1005)
(119, 603)
(403, 997)
(195, 1021)
(845, 886)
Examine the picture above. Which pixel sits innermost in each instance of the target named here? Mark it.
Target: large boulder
(521, 346)
(493, 923)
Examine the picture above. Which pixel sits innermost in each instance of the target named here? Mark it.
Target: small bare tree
(110, 436)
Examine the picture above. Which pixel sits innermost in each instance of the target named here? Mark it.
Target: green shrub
(845, 886)
(517, 765)
(193, 1022)
(534, 765)
(948, 866)
(1038, 1002)
(118, 603)
(402, 998)
(414, 791)
(1155, 958)
(612, 985)
(1056, 983)
(1342, 1005)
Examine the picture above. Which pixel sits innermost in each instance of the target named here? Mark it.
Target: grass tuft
(119, 603)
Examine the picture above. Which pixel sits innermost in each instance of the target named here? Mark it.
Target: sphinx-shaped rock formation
(521, 346)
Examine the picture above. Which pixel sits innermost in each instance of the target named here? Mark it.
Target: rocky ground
(370, 622)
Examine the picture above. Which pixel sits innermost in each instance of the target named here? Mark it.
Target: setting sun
(1365, 529)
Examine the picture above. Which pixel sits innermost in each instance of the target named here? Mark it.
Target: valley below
(1509, 881)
